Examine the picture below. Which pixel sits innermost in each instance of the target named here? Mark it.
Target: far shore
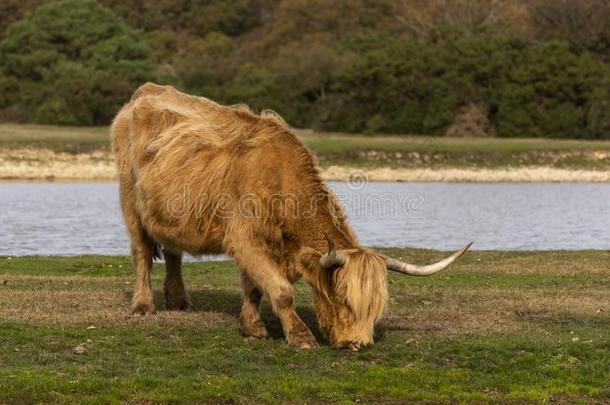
(47, 165)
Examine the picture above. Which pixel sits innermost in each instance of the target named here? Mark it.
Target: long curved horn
(333, 257)
(414, 270)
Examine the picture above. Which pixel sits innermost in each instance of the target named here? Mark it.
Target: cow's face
(351, 290)
(349, 297)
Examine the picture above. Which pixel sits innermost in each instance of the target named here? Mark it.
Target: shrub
(535, 67)
(72, 62)
(598, 114)
(418, 87)
(13, 10)
(255, 85)
(546, 91)
(232, 17)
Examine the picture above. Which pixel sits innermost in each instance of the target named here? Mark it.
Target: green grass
(331, 142)
(428, 151)
(57, 138)
(364, 150)
(499, 327)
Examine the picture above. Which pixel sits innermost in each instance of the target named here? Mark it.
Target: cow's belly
(186, 239)
(179, 216)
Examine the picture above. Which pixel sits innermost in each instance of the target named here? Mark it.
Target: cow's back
(151, 112)
(182, 158)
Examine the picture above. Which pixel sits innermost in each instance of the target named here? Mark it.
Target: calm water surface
(71, 219)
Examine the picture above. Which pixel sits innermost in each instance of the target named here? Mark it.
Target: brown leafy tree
(584, 24)
(466, 17)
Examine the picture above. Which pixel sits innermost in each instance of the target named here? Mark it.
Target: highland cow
(199, 177)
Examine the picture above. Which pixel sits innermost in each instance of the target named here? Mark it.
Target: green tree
(232, 17)
(304, 71)
(13, 10)
(205, 63)
(71, 62)
(598, 113)
(253, 84)
(547, 90)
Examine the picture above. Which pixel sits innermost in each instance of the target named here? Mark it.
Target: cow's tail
(157, 252)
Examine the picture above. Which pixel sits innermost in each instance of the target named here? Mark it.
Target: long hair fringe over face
(352, 298)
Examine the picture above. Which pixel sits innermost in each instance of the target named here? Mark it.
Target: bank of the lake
(50, 165)
(42, 152)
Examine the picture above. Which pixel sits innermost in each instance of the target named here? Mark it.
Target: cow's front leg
(265, 272)
(250, 321)
(296, 331)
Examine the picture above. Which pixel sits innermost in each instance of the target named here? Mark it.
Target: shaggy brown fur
(199, 177)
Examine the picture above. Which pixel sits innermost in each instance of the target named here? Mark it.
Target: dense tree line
(533, 67)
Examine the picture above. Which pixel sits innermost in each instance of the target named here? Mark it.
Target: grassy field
(499, 327)
(59, 139)
(363, 150)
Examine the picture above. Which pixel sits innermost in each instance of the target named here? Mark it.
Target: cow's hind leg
(176, 297)
(143, 249)
(266, 273)
(250, 318)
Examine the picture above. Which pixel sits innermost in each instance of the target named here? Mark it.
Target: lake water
(71, 219)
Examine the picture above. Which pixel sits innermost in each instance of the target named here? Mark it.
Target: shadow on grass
(229, 302)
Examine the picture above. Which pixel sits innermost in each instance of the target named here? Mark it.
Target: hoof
(254, 330)
(143, 308)
(303, 339)
(179, 304)
(352, 346)
(308, 345)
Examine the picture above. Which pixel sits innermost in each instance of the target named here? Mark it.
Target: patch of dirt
(470, 122)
